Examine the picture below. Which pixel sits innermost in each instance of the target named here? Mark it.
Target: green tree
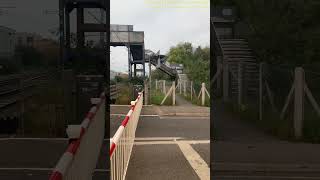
(180, 53)
(196, 61)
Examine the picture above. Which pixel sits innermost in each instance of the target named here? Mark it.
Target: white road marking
(172, 142)
(157, 138)
(151, 115)
(154, 142)
(185, 117)
(198, 142)
(197, 163)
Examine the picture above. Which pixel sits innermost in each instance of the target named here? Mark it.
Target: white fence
(122, 142)
(184, 88)
(79, 161)
(297, 95)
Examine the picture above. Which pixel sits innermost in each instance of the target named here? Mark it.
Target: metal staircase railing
(154, 59)
(236, 53)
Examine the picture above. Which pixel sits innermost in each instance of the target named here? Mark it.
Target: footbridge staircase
(158, 61)
(236, 64)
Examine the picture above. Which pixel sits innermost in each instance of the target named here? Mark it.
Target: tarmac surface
(161, 150)
(242, 151)
(158, 153)
(34, 159)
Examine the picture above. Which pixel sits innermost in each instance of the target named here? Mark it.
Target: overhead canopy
(122, 38)
(118, 27)
(121, 35)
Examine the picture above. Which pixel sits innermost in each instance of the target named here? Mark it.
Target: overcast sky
(29, 15)
(163, 27)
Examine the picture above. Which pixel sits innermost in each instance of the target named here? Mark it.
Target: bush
(157, 97)
(197, 101)
(123, 94)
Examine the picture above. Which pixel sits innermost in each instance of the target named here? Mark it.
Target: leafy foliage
(158, 74)
(196, 61)
(285, 31)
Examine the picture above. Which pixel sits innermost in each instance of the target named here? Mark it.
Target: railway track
(17, 87)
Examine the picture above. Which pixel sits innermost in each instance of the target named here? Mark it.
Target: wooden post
(150, 81)
(219, 69)
(312, 100)
(203, 94)
(164, 87)
(185, 88)
(225, 81)
(179, 86)
(299, 81)
(239, 84)
(173, 93)
(289, 97)
(146, 93)
(260, 91)
(166, 96)
(205, 89)
(156, 84)
(271, 97)
(191, 85)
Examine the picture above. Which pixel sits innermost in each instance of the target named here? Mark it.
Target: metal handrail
(215, 36)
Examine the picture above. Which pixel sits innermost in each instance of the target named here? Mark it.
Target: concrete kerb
(182, 114)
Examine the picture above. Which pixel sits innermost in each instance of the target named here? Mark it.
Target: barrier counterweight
(79, 161)
(122, 142)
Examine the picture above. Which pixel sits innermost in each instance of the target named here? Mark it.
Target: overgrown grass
(311, 129)
(197, 101)
(272, 124)
(157, 97)
(43, 116)
(123, 95)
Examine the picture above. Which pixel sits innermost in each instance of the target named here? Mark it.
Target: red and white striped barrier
(122, 142)
(80, 158)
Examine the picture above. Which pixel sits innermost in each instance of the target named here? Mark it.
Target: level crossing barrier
(79, 160)
(122, 142)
